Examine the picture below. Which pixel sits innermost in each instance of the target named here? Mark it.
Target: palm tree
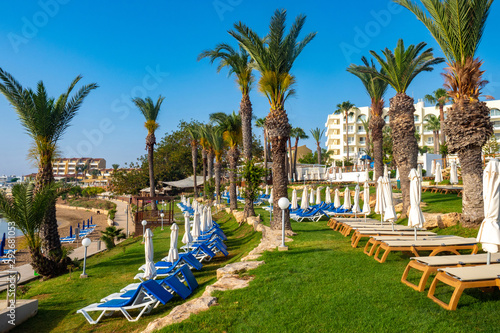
(45, 120)
(439, 98)
(346, 108)
(217, 146)
(317, 133)
(111, 234)
(230, 125)
(376, 89)
(150, 111)
(115, 166)
(399, 68)
(434, 125)
(27, 208)
(297, 133)
(273, 56)
(261, 123)
(194, 133)
(205, 146)
(239, 64)
(457, 26)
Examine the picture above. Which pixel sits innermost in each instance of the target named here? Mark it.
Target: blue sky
(134, 49)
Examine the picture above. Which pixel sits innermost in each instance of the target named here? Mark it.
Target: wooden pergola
(153, 217)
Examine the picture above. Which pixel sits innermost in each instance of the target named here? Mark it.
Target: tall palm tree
(376, 89)
(297, 133)
(273, 56)
(45, 120)
(150, 111)
(317, 133)
(399, 69)
(231, 128)
(239, 64)
(217, 146)
(434, 125)
(205, 146)
(439, 98)
(261, 123)
(457, 26)
(27, 209)
(194, 133)
(346, 108)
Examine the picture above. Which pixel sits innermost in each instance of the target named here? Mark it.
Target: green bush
(92, 203)
(424, 172)
(110, 234)
(111, 214)
(445, 182)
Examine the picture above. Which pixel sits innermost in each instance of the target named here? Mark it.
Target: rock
(373, 203)
(238, 215)
(227, 282)
(182, 312)
(253, 220)
(111, 222)
(431, 220)
(448, 220)
(399, 207)
(237, 267)
(228, 210)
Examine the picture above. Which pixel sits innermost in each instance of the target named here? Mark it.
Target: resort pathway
(121, 216)
(27, 272)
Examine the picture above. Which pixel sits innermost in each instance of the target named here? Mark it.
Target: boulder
(238, 215)
(227, 282)
(448, 220)
(237, 268)
(431, 220)
(182, 312)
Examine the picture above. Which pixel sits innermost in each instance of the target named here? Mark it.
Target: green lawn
(110, 271)
(322, 284)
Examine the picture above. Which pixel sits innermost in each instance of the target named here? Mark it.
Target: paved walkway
(27, 272)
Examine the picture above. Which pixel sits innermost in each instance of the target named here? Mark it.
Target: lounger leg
(384, 256)
(367, 245)
(426, 272)
(454, 298)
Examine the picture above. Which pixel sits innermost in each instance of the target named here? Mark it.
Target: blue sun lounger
(146, 297)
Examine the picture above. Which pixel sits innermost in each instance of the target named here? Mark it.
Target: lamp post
(144, 222)
(162, 215)
(283, 203)
(86, 244)
(271, 209)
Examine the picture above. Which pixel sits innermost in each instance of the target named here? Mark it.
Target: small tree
(109, 235)
(253, 176)
(492, 146)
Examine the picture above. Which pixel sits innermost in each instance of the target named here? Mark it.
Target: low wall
(95, 210)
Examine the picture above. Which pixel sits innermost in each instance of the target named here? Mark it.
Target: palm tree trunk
(443, 138)
(194, 155)
(318, 149)
(295, 158)
(405, 147)
(265, 152)
(436, 143)
(218, 166)
(204, 158)
(377, 124)
(278, 131)
(466, 141)
(246, 129)
(290, 160)
(47, 266)
(210, 165)
(232, 156)
(150, 142)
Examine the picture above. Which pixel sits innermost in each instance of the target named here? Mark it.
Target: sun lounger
(145, 298)
(430, 265)
(346, 229)
(452, 244)
(373, 243)
(313, 214)
(461, 278)
(364, 233)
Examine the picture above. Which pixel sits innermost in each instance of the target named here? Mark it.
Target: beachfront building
(301, 152)
(337, 135)
(78, 167)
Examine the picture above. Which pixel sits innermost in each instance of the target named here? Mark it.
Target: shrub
(111, 214)
(424, 172)
(445, 182)
(370, 174)
(109, 235)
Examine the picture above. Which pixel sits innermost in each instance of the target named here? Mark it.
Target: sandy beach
(66, 217)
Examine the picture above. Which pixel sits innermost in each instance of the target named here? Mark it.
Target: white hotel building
(356, 136)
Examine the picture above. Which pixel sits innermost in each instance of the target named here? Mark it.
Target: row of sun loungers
(171, 279)
(458, 271)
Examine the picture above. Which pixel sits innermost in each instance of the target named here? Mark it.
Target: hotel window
(494, 112)
(496, 123)
(417, 129)
(350, 129)
(362, 140)
(430, 140)
(416, 118)
(386, 119)
(361, 129)
(361, 118)
(350, 140)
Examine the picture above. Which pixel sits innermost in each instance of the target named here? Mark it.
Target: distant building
(79, 167)
(301, 152)
(337, 134)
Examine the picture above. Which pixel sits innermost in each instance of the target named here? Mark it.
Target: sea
(4, 229)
